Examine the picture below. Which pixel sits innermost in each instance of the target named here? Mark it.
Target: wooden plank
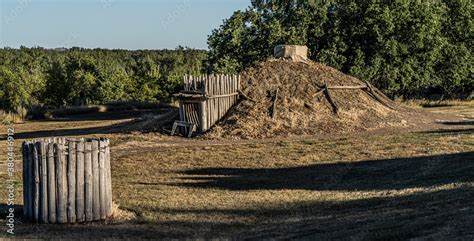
(95, 182)
(24, 148)
(71, 182)
(51, 156)
(80, 215)
(61, 183)
(43, 182)
(88, 180)
(102, 178)
(108, 181)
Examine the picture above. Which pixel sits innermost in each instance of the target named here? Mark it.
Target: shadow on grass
(385, 174)
(116, 128)
(4, 211)
(458, 123)
(108, 115)
(466, 131)
(438, 214)
(125, 127)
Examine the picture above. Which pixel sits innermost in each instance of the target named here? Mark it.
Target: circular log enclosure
(66, 180)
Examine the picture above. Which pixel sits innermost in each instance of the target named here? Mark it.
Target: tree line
(407, 48)
(64, 77)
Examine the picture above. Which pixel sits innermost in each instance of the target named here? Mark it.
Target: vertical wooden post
(185, 87)
(43, 182)
(51, 183)
(102, 179)
(236, 88)
(71, 178)
(108, 182)
(95, 178)
(203, 116)
(36, 176)
(80, 182)
(88, 180)
(210, 101)
(181, 111)
(61, 199)
(225, 99)
(218, 100)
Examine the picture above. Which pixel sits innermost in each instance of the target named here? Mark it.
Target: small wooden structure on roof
(205, 99)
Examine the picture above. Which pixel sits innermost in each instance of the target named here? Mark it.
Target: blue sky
(125, 24)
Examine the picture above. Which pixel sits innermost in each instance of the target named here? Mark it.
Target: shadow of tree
(4, 210)
(110, 115)
(69, 132)
(385, 174)
(465, 131)
(458, 123)
(441, 214)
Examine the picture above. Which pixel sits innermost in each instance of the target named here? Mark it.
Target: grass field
(381, 185)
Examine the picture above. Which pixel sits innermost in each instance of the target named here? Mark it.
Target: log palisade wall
(67, 180)
(205, 99)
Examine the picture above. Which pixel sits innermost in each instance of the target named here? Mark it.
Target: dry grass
(458, 107)
(370, 186)
(7, 118)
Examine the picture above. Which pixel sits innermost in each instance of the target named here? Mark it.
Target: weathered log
(275, 99)
(330, 99)
(245, 96)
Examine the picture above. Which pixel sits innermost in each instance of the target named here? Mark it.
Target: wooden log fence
(205, 99)
(66, 180)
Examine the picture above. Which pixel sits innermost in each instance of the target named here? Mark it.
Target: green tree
(13, 92)
(408, 48)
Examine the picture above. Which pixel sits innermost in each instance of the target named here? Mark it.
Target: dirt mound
(302, 107)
